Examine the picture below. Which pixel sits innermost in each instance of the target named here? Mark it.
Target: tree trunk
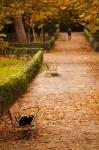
(34, 37)
(29, 38)
(43, 34)
(20, 31)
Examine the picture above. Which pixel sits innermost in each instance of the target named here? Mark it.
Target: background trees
(88, 13)
(3, 20)
(26, 14)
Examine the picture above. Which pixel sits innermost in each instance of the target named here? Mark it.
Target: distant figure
(69, 33)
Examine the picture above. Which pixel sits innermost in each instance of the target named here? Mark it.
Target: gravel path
(68, 118)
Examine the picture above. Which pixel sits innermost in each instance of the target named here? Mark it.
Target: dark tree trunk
(51, 29)
(44, 34)
(20, 31)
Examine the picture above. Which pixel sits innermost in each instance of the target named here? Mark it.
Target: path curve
(68, 117)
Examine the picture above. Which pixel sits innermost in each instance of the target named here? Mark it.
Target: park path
(68, 118)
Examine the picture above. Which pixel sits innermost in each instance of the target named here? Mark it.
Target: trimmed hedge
(12, 88)
(22, 51)
(96, 35)
(48, 45)
(19, 51)
(36, 45)
(27, 45)
(92, 41)
(56, 34)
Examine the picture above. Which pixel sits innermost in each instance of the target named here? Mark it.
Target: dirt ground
(68, 117)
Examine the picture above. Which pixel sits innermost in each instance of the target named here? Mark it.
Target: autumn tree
(43, 11)
(85, 13)
(3, 20)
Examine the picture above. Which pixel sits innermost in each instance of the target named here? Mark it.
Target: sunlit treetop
(82, 11)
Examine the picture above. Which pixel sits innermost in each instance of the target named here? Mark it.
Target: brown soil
(68, 117)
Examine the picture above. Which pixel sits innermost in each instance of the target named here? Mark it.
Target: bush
(56, 34)
(87, 34)
(12, 88)
(92, 41)
(49, 44)
(96, 35)
(19, 51)
(27, 45)
(36, 45)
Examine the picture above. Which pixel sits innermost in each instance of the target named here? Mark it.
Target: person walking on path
(69, 33)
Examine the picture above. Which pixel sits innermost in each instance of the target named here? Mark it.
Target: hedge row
(28, 45)
(12, 88)
(19, 51)
(48, 45)
(22, 51)
(36, 45)
(96, 35)
(56, 34)
(92, 41)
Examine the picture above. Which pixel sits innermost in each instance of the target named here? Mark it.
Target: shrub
(49, 44)
(19, 51)
(12, 88)
(36, 45)
(92, 41)
(96, 35)
(56, 34)
(87, 34)
(27, 45)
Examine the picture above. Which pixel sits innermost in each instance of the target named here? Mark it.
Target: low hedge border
(56, 34)
(48, 45)
(27, 45)
(19, 51)
(22, 51)
(94, 44)
(36, 45)
(12, 88)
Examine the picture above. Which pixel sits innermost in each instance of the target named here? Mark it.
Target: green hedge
(19, 51)
(96, 35)
(36, 45)
(27, 45)
(12, 88)
(92, 41)
(56, 34)
(48, 45)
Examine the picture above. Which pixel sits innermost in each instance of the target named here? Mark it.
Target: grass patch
(10, 68)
